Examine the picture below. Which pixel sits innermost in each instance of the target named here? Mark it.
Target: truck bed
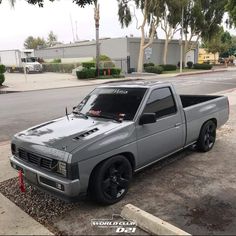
(190, 100)
(200, 108)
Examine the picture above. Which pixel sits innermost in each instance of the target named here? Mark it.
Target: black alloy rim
(115, 180)
(209, 138)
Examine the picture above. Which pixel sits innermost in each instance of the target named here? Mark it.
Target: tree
(80, 3)
(231, 9)
(170, 21)
(34, 43)
(201, 20)
(221, 43)
(52, 39)
(151, 17)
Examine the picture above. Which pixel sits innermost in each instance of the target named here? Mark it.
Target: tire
(207, 137)
(110, 180)
(27, 70)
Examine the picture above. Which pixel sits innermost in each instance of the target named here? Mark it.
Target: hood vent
(86, 134)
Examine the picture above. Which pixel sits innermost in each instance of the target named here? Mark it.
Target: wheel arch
(128, 155)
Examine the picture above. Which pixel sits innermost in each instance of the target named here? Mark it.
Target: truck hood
(66, 134)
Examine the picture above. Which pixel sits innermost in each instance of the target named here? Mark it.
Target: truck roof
(135, 84)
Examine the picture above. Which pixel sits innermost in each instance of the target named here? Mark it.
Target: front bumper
(55, 185)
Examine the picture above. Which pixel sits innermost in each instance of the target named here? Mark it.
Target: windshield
(29, 59)
(120, 103)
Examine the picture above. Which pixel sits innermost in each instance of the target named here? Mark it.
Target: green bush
(88, 65)
(2, 79)
(2, 69)
(190, 64)
(56, 60)
(154, 69)
(113, 71)
(59, 67)
(86, 73)
(104, 58)
(202, 66)
(148, 64)
(182, 64)
(169, 67)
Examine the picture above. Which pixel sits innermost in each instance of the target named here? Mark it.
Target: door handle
(178, 125)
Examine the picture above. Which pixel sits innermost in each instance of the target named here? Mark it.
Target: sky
(28, 20)
(25, 20)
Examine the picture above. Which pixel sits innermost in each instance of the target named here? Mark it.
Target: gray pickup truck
(114, 132)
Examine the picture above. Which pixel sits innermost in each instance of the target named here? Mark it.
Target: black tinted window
(113, 101)
(161, 102)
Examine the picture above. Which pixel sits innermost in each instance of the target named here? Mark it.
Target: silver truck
(114, 132)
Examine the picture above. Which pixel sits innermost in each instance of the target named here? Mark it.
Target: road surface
(22, 110)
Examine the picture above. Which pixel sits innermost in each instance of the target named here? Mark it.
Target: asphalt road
(19, 111)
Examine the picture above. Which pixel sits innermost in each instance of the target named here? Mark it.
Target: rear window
(120, 102)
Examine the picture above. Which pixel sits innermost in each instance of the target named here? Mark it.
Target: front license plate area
(30, 176)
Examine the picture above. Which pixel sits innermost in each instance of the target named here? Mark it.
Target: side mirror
(147, 118)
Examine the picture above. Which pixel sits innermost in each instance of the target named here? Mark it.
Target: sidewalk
(14, 221)
(30, 82)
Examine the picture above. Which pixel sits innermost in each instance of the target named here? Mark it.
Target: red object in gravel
(21, 181)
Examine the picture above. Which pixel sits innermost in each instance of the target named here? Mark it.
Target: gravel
(39, 205)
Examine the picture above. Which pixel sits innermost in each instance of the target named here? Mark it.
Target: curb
(201, 72)
(150, 223)
(14, 221)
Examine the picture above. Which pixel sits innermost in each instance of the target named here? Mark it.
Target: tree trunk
(141, 56)
(165, 51)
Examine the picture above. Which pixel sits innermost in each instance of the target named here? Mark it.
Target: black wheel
(207, 137)
(110, 180)
(27, 70)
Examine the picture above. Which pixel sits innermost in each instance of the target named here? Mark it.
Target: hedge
(59, 67)
(2, 69)
(86, 73)
(169, 67)
(202, 66)
(154, 69)
(2, 79)
(104, 73)
(111, 71)
(190, 64)
(148, 64)
(88, 65)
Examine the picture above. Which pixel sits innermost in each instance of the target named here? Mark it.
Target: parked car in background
(115, 131)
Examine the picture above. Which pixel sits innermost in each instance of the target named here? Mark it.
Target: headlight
(62, 168)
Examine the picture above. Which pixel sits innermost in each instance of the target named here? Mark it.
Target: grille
(35, 159)
(37, 67)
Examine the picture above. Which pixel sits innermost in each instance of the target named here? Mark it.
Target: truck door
(166, 135)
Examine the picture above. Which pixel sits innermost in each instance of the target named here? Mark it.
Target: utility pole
(181, 41)
(97, 18)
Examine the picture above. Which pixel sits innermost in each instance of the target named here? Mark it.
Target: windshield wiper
(80, 114)
(110, 117)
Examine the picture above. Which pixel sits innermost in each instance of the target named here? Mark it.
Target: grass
(185, 70)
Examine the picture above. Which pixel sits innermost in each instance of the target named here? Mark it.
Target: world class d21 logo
(116, 223)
